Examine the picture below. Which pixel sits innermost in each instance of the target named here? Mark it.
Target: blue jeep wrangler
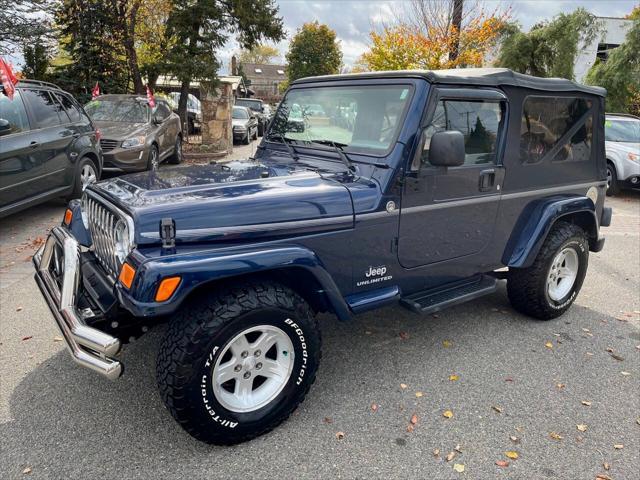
(417, 188)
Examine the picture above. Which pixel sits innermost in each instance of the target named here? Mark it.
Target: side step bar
(430, 301)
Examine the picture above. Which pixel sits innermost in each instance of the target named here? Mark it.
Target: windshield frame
(309, 144)
(124, 100)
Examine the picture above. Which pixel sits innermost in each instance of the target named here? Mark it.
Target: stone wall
(217, 103)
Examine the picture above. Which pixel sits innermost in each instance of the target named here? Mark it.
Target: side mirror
(447, 149)
(156, 120)
(5, 127)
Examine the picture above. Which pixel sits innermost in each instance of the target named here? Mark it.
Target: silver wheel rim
(87, 176)
(154, 159)
(609, 177)
(562, 274)
(178, 149)
(253, 368)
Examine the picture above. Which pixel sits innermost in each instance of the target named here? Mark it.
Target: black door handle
(34, 145)
(487, 179)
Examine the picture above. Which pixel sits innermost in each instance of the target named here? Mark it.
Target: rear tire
(210, 353)
(86, 174)
(613, 186)
(546, 289)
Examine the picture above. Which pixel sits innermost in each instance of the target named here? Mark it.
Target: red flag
(150, 98)
(95, 92)
(9, 80)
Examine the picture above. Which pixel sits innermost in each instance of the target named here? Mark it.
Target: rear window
(558, 129)
(45, 109)
(13, 117)
(72, 110)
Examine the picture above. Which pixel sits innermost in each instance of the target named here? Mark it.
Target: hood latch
(168, 233)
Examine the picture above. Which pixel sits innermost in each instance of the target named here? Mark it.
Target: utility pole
(456, 24)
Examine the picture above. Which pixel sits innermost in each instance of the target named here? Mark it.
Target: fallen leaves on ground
(419, 394)
(581, 427)
(328, 420)
(606, 466)
(27, 471)
(450, 456)
(436, 452)
(18, 309)
(502, 463)
(404, 335)
(618, 446)
(57, 339)
(626, 374)
(555, 436)
(458, 467)
(512, 455)
(458, 448)
(403, 386)
(560, 386)
(446, 343)
(602, 476)
(447, 414)
(454, 377)
(24, 339)
(414, 419)
(339, 435)
(497, 409)
(549, 345)
(586, 403)
(374, 407)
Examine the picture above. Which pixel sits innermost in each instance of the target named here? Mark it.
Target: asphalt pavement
(563, 396)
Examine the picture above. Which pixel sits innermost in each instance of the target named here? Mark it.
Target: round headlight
(123, 243)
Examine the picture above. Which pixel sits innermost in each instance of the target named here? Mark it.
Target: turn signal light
(126, 275)
(166, 288)
(68, 216)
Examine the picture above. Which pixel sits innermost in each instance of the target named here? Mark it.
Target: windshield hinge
(168, 233)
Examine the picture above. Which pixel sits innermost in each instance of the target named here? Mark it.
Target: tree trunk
(182, 104)
(456, 23)
(130, 19)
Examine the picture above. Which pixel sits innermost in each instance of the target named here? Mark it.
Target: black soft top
(486, 77)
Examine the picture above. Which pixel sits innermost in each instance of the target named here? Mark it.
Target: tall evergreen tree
(36, 60)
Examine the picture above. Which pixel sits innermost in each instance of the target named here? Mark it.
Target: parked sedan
(245, 125)
(622, 135)
(136, 137)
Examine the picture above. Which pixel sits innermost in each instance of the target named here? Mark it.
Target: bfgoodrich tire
(234, 365)
(546, 289)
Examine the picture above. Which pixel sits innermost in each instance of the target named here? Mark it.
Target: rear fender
(536, 221)
(199, 268)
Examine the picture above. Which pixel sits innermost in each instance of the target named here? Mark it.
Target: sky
(352, 20)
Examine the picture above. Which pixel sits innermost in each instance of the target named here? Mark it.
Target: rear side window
(13, 116)
(556, 128)
(478, 120)
(72, 110)
(45, 109)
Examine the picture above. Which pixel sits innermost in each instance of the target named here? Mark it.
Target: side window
(46, 111)
(162, 111)
(13, 117)
(479, 121)
(71, 109)
(559, 124)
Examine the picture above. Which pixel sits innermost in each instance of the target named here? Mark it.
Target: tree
(432, 39)
(199, 27)
(36, 60)
(549, 49)
(620, 73)
(259, 54)
(91, 37)
(19, 26)
(151, 38)
(127, 16)
(314, 50)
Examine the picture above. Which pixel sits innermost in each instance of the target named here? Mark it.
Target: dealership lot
(516, 377)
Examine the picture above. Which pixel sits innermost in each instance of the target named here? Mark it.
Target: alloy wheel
(562, 274)
(87, 176)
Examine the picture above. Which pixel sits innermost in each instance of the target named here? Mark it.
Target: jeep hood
(230, 202)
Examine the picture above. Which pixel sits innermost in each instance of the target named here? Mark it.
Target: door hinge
(394, 244)
(168, 233)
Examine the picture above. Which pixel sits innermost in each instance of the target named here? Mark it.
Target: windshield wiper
(287, 144)
(338, 147)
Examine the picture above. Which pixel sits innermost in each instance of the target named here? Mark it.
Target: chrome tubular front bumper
(88, 346)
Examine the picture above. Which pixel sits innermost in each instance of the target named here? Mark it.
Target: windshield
(254, 105)
(129, 111)
(627, 131)
(359, 118)
(239, 113)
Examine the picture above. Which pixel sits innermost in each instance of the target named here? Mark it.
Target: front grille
(102, 225)
(108, 145)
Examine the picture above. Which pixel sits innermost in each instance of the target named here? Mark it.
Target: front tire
(613, 186)
(87, 174)
(546, 289)
(235, 365)
(153, 159)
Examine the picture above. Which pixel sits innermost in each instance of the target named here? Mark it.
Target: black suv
(48, 146)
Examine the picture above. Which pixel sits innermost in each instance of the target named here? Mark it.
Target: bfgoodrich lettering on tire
(234, 365)
(547, 288)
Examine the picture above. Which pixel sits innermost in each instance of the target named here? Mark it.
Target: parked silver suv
(622, 135)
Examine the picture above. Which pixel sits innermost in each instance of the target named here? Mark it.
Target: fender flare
(199, 268)
(534, 225)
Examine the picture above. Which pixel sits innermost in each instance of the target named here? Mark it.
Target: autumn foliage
(405, 46)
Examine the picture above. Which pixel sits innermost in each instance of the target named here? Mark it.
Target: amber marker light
(68, 216)
(126, 275)
(166, 288)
